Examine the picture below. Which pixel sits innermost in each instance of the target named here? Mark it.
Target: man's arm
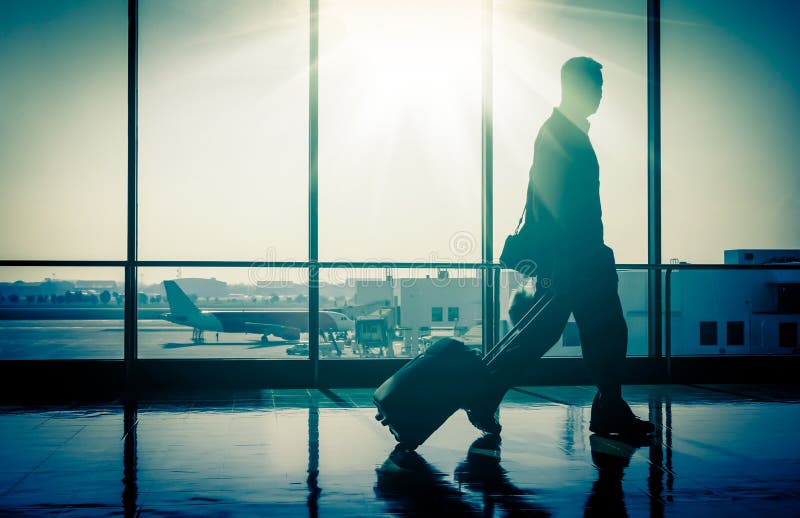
(546, 180)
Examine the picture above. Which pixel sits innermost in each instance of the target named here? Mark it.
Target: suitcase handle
(508, 340)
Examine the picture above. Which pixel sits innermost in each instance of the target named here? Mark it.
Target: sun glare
(411, 56)
(400, 120)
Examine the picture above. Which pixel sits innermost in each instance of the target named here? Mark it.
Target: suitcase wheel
(381, 418)
(401, 444)
(404, 446)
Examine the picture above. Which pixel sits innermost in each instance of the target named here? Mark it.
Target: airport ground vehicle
(325, 349)
(375, 333)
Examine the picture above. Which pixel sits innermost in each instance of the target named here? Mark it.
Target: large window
(58, 313)
(715, 312)
(399, 312)
(223, 130)
(256, 312)
(63, 140)
(400, 130)
(256, 125)
(532, 40)
(731, 112)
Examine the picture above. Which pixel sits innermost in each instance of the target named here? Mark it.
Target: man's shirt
(565, 186)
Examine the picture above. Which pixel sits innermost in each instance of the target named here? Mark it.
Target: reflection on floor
(720, 450)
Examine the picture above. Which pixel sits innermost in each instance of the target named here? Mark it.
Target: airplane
(286, 324)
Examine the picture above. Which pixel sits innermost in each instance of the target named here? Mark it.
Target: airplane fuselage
(287, 324)
(283, 323)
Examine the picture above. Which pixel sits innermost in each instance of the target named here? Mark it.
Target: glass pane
(58, 313)
(730, 113)
(532, 40)
(223, 130)
(63, 129)
(400, 130)
(735, 312)
(255, 312)
(397, 312)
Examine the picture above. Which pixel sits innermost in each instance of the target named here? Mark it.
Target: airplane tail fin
(179, 303)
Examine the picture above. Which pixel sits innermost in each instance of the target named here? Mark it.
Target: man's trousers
(587, 287)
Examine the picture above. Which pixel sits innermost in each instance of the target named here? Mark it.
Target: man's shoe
(485, 420)
(613, 416)
(484, 409)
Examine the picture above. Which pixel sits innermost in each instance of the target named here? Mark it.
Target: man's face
(582, 92)
(594, 92)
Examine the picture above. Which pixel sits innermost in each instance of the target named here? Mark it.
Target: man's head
(581, 85)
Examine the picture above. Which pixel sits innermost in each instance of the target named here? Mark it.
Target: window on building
(735, 332)
(787, 334)
(452, 314)
(571, 336)
(708, 333)
(436, 314)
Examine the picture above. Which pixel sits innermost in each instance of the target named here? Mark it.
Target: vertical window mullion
(131, 289)
(490, 287)
(654, 174)
(313, 195)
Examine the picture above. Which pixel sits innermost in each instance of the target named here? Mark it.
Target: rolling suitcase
(419, 397)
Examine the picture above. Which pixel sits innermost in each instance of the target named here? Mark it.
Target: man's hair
(578, 71)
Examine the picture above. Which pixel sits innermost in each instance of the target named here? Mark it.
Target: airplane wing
(285, 332)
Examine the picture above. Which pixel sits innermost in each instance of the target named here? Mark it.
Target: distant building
(738, 312)
(453, 302)
(374, 290)
(98, 286)
(761, 256)
(46, 288)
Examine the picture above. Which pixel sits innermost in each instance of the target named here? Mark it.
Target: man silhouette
(577, 267)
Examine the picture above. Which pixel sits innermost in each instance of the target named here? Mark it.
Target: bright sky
(223, 126)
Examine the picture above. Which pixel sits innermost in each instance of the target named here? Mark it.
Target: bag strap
(521, 218)
(528, 198)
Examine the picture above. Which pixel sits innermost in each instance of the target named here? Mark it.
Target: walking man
(578, 268)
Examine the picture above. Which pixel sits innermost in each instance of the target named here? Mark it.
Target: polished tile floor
(720, 451)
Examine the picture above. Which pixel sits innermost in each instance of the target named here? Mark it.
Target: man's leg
(515, 362)
(509, 369)
(604, 341)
